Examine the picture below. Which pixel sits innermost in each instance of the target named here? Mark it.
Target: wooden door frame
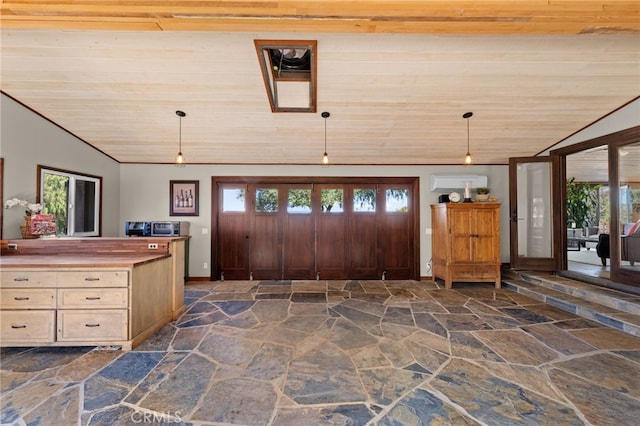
(414, 181)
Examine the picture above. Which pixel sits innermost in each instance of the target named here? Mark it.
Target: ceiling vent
(289, 72)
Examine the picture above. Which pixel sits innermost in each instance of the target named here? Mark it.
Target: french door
(533, 244)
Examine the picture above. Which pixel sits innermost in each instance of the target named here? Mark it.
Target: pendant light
(467, 158)
(325, 156)
(180, 161)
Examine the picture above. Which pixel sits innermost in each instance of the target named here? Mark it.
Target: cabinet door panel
(26, 327)
(27, 298)
(486, 234)
(93, 326)
(104, 298)
(15, 279)
(95, 278)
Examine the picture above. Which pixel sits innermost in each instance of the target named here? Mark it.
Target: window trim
(42, 169)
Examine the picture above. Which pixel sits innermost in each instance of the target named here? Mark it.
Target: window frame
(73, 176)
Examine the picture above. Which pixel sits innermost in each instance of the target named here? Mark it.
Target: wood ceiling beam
(439, 17)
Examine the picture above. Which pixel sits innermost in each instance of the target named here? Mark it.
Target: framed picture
(183, 197)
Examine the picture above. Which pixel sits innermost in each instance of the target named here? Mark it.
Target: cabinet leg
(448, 284)
(498, 283)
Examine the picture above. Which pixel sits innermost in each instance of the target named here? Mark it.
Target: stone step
(603, 314)
(619, 300)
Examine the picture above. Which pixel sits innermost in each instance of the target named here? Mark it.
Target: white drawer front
(93, 279)
(18, 279)
(22, 327)
(104, 298)
(27, 298)
(94, 326)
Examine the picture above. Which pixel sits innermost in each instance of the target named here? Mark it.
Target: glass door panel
(629, 208)
(531, 213)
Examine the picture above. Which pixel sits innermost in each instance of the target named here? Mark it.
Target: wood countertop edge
(66, 261)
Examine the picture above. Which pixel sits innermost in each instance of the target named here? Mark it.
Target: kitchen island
(89, 291)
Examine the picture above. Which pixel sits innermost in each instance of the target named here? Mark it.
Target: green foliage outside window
(582, 204)
(56, 200)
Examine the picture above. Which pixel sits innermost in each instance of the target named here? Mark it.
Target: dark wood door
(232, 232)
(265, 207)
(298, 234)
(305, 228)
(395, 231)
(362, 204)
(331, 232)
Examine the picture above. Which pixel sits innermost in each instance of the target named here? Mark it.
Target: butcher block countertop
(86, 252)
(79, 261)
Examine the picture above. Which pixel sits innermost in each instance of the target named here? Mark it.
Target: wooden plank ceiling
(396, 76)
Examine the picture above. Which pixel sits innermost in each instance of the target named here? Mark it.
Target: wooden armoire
(466, 242)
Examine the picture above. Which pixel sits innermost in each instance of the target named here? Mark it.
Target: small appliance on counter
(169, 229)
(156, 229)
(137, 229)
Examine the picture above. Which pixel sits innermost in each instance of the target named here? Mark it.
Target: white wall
(27, 140)
(145, 196)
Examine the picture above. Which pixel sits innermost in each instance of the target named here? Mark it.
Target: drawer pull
(92, 325)
(92, 279)
(21, 279)
(20, 298)
(92, 298)
(18, 326)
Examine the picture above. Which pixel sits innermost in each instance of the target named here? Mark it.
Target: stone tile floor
(339, 352)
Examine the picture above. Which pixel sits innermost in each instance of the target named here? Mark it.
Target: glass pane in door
(534, 210)
(629, 208)
(84, 206)
(531, 214)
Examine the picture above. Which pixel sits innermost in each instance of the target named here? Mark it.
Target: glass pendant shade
(180, 159)
(467, 159)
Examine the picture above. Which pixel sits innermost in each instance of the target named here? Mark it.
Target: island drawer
(104, 298)
(27, 298)
(92, 325)
(27, 327)
(18, 279)
(93, 278)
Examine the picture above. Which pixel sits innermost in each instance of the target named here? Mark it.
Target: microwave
(169, 229)
(137, 229)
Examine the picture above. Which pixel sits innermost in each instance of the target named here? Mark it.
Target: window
(266, 200)
(397, 201)
(299, 201)
(73, 199)
(233, 200)
(332, 200)
(364, 200)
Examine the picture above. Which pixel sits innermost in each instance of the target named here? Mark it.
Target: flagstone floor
(338, 353)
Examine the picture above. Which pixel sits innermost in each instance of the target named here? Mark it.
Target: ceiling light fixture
(180, 161)
(325, 156)
(467, 158)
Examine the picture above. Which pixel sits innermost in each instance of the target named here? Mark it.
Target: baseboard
(199, 279)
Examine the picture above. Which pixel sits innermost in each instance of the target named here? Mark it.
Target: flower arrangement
(30, 208)
(483, 191)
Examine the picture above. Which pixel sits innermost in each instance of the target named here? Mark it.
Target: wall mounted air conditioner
(444, 183)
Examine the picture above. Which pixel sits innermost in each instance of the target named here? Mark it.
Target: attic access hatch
(289, 72)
